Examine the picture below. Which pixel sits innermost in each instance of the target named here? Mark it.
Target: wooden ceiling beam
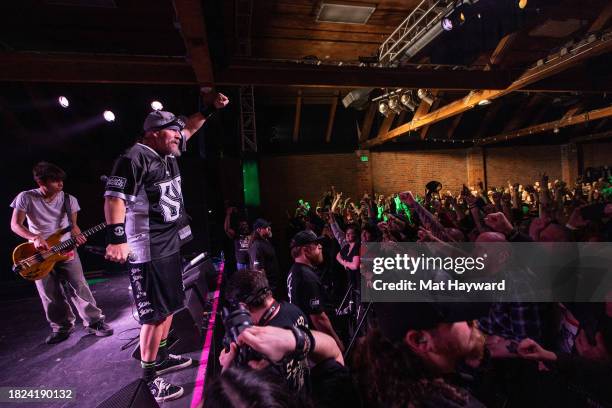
(530, 76)
(603, 18)
(193, 30)
(304, 75)
(366, 128)
(451, 130)
(544, 127)
(332, 116)
(521, 115)
(592, 137)
(424, 108)
(83, 68)
(298, 115)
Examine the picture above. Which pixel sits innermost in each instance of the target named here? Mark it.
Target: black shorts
(157, 288)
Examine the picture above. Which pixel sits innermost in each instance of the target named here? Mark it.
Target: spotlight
(522, 4)
(109, 116)
(425, 96)
(157, 105)
(63, 101)
(447, 24)
(383, 108)
(394, 104)
(556, 130)
(484, 102)
(406, 100)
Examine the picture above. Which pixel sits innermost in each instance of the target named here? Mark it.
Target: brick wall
(398, 171)
(286, 179)
(522, 164)
(596, 154)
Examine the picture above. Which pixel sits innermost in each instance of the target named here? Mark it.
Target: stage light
(63, 101)
(425, 96)
(447, 24)
(522, 4)
(157, 105)
(484, 102)
(109, 116)
(394, 104)
(406, 100)
(383, 108)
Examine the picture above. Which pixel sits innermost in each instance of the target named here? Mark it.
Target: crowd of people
(415, 354)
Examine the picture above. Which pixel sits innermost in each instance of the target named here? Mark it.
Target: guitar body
(31, 264)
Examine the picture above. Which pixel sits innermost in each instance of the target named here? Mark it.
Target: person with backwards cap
(144, 211)
(303, 283)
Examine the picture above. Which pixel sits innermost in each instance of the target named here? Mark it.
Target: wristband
(300, 342)
(115, 234)
(310, 338)
(208, 110)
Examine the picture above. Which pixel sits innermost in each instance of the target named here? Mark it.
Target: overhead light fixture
(425, 96)
(332, 12)
(157, 105)
(383, 108)
(394, 104)
(522, 4)
(109, 116)
(447, 24)
(484, 102)
(407, 101)
(63, 101)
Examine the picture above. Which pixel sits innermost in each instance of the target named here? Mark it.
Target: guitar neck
(69, 243)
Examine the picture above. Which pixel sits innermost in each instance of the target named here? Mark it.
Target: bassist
(46, 211)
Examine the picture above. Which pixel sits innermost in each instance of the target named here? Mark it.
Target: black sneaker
(100, 329)
(58, 336)
(172, 363)
(164, 391)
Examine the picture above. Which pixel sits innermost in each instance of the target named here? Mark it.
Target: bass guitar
(33, 264)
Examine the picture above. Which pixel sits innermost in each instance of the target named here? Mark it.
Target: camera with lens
(236, 319)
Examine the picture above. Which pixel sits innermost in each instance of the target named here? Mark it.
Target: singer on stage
(143, 209)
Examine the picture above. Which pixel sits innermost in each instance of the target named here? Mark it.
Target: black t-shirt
(241, 249)
(295, 372)
(150, 185)
(263, 255)
(305, 289)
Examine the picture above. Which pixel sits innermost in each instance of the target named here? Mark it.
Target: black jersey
(305, 289)
(151, 187)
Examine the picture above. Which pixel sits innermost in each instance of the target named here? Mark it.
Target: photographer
(331, 382)
(251, 288)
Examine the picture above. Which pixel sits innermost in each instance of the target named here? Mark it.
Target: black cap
(304, 238)
(395, 319)
(158, 120)
(261, 223)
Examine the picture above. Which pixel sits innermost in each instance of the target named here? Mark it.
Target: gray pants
(54, 296)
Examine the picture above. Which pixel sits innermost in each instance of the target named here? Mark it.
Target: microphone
(104, 178)
(98, 250)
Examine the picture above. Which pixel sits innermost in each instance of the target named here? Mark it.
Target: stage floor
(95, 367)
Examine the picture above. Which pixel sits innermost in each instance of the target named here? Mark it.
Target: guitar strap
(68, 209)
